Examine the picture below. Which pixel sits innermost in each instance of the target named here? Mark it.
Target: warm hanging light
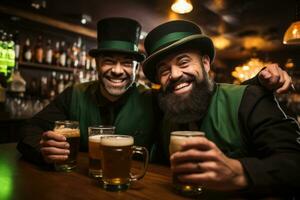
(221, 42)
(182, 6)
(292, 34)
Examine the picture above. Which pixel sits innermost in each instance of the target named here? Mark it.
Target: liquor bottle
(11, 56)
(3, 53)
(60, 85)
(75, 60)
(93, 64)
(16, 39)
(39, 51)
(44, 87)
(49, 53)
(52, 87)
(82, 57)
(56, 54)
(63, 54)
(69, 56)
(66, 80)
(27, 52)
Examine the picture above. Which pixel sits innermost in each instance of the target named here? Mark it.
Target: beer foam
(179, 137)
(187, 133)
(116, 141)
(68, 132)
(95, 138)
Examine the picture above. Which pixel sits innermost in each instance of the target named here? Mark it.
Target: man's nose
(176, 73)
(117, 69)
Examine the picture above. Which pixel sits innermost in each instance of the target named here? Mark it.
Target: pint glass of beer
(176, 141)
(117, 151)
(69, 129)
(95, 133)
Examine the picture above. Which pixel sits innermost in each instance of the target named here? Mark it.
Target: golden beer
(95, 156)
(70, 130)
(95, 133)
(116, 161)
(176, 141)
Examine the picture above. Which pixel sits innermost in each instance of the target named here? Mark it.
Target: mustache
(173, 83)
(114, 76)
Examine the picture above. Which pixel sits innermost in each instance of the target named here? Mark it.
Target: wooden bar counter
(20, 180)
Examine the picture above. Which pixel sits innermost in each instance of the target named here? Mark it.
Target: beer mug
(95, 133)
(117, 151)
(176, 141)
(69, 129)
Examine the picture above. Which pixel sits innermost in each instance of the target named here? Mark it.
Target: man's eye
(183, 62)
(164, 72)
(127, 64)
(108, 61)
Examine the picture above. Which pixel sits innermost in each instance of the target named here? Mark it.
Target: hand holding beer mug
(177, 139)
(117, 151)
(95, 133)
(69, 129)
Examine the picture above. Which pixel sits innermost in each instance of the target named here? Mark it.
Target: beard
(116, 90)
(187, 108)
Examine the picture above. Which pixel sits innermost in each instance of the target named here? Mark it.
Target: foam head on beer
(116, 141)
(68, 132)
(179, 137)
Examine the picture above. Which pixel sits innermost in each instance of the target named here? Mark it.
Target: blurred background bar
(44, 45)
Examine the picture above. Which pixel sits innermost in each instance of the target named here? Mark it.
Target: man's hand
(202, 163)
(274, 78)
(54, 147)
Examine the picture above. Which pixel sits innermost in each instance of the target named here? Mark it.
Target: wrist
(240, 180)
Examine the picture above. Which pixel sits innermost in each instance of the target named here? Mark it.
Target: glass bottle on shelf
(63, 54)
(44, 87)
(3, 52)
(16, 39)
(39, 51)
(11, 56)
(53, 86)
(75, 60)
(49, 53)
(27, 52)
(66, 80)
(82, 57)
(70, 81)
(56, 54)
(60, 85)
(69, 56)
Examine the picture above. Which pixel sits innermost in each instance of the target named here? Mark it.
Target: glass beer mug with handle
(69, 129)
(95, 134)
(177, 139)
(117, 152)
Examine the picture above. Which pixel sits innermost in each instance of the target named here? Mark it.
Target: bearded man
(250, 149)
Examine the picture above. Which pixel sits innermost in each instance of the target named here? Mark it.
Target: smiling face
(116, 74)
(177, 72)
(186, 88)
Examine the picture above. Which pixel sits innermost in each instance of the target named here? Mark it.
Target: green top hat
(120, 35)
(170, 37)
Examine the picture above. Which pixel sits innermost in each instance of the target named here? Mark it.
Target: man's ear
(206, 63)
(137, 66)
